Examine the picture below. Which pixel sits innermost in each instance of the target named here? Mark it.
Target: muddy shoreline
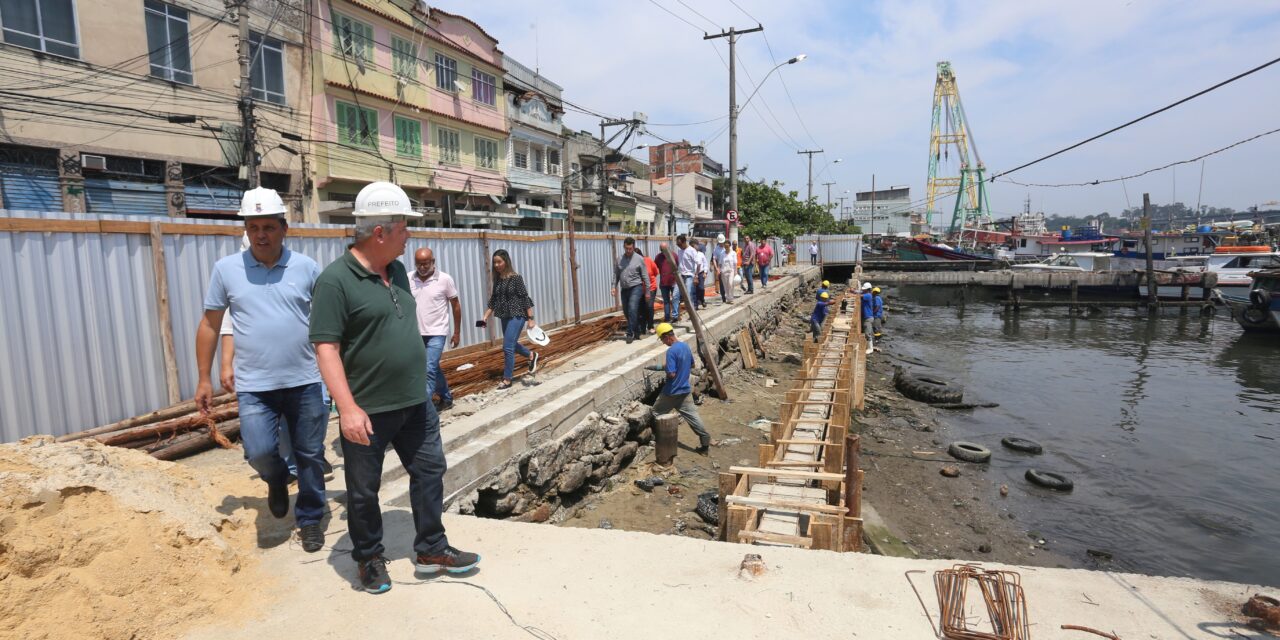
(904, 445)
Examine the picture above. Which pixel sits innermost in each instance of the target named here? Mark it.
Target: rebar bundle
(1001, 593)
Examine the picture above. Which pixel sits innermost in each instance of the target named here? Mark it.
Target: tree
(765, 210)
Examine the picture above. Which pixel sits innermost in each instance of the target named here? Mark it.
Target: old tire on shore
(1050, 480)
(1022, 444)
(969, 452)
(928, 388)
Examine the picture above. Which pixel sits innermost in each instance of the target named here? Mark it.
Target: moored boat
(1260, 309)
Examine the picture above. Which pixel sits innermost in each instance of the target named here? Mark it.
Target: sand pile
(101, 542)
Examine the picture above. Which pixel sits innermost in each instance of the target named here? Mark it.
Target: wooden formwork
(805, 490)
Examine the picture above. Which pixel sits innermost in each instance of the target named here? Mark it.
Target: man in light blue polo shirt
(277, 383)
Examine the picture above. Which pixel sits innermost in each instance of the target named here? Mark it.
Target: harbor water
(1168, 425)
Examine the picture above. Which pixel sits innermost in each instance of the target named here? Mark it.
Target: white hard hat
(383, 199)
(538, 336)
(720, 239)
(262, 202)
(866, 286)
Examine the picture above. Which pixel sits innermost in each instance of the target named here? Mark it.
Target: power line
(1148, 171)
(1137, 120)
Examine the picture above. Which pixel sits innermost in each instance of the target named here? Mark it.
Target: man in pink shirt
(434, 293)
(764, 255)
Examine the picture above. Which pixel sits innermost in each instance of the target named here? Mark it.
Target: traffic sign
(731, 216)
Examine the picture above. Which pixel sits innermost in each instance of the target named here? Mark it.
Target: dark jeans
(298, 414)
(414, 432)
(631, 297)
(700, 290)
(813, 258)
(646, 312)
(511, 328)
(435, 377)
(670, 302)
(748, 278)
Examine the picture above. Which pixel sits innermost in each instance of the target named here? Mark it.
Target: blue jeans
(764, 275)
(511, 328)
(748, 279)
(435, 378)
(414, 432)
(670, 303)
(299, 413)
(631, 309)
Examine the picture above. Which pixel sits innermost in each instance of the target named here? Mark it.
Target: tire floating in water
(969, 452)
(1022, 444)
(1050, 480)
(928, 388)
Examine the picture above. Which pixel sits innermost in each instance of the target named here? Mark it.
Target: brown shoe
(451, 560)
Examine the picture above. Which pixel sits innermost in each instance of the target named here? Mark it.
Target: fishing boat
(941, 251)
(1070, 262)
(1260, 309)
(1233, 265)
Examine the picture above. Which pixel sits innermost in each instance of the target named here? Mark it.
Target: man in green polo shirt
(364, 324)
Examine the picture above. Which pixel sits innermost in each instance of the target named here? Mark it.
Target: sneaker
(704, 450)
(312, 538)
(630, 339)
(445, 406)
(451, 560)
(533, 362)
(326, 469)
(373, 575)
(278, 499)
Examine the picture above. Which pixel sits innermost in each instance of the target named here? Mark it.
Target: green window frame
(450, 144)
(408, 137)
(404, 58)
(352, 37)
(357, 126)
(486, 153)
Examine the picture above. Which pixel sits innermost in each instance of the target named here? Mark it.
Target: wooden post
(1075, 294)
(822, 530)
(704, 344)
(728, 484)
(613, 248)
(666, 434)
(852, 501)
(765, 454)
(851, 534)
(1146, 238)
(745, 348)
(738, 517)
(161, 275)
(573, 252)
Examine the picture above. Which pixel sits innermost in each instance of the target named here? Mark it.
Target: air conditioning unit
(97, 163)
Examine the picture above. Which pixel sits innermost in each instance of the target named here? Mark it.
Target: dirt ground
(904, 446)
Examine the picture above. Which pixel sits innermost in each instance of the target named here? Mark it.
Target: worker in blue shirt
(676, 393)
(819, 314)
(825, 288)
(868, 316)
(877, 311)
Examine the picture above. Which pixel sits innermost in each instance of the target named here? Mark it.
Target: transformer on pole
(951, 129)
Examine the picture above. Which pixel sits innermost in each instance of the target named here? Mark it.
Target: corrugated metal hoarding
(832, 249)
(79, 327)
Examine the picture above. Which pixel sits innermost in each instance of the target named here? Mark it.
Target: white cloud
(1034, 76)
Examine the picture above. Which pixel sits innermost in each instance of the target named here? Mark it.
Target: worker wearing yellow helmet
(877, 311)
(677, 394)
(819, 314)
(825, 288)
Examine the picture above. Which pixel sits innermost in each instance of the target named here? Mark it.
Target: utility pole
(249, 156)
(810, 154)
(841, 212)
(604, 161)
(828, 186)
(732, 34)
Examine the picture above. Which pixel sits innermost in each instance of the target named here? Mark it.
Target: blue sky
(1034, 76)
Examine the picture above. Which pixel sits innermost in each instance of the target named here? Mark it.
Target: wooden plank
(176, 229)
(738, 517)
(728, 482)
(856, 511)
(793, 463)
(161, 279)
(782, 473)
(851, 534)
(755, 337)
(746, 351)
(824, 530)
(122, 226)
(759, 536)
(49, 226)
(787, 505)
(765, 454)
(801, 441)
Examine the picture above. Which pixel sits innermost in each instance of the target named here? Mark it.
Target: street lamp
(733, 127)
